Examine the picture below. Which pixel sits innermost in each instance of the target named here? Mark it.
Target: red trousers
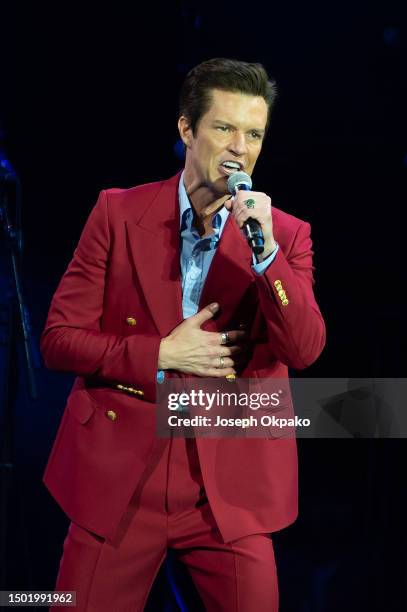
(168, 510)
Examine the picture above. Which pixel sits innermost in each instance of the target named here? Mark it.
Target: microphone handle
(252, 229)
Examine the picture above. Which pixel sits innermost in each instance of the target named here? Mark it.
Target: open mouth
(228, 168)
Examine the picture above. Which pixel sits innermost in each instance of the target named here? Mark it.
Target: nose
(238, 144)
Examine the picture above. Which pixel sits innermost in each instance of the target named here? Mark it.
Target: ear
(185, 131)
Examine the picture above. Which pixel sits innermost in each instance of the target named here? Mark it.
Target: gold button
(131, 321)
(277, 283)
(230, 377)
(281, 293)
(285, 302)
(111, 415)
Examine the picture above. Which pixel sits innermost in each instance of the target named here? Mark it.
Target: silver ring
(221, 362)
(224, 338)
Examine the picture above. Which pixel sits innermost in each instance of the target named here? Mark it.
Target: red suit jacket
(120, 295)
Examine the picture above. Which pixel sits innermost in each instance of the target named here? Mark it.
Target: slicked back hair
(227, 75)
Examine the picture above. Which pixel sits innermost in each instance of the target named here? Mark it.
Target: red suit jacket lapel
(154, 241)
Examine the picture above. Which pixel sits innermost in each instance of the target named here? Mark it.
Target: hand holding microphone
(252, 211)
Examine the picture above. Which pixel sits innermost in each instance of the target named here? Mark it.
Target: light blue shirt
(197, 254)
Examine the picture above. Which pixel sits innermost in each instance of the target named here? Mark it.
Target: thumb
(205, 314)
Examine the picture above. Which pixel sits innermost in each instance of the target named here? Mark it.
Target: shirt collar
(219, 219)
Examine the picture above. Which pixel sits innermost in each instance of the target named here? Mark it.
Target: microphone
(240, 181)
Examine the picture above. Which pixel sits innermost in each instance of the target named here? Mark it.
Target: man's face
(232, 130)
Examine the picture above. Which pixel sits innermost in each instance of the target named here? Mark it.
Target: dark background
(88, 100)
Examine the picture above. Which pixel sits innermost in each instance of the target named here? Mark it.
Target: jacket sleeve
(296, 329)
(72, 339)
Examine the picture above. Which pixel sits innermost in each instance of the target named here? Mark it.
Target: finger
(222, 362)
(240, 221)
(235, 335)
(243, 215)
(243, 195)
(228, 336)
(204, 315)
(226, 351)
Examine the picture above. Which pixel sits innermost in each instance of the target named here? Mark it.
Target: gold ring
(221, 362)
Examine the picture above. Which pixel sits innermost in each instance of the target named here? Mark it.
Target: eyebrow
(260, 130)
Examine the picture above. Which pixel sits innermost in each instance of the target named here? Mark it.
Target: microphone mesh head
(236, 179)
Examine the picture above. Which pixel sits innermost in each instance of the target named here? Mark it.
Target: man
(163, 284)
